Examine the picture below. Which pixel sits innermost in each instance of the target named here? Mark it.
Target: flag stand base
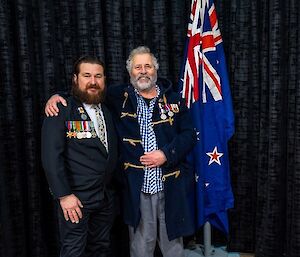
(198, 251)
(207, 250)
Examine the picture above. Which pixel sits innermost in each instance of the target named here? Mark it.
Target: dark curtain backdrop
(40, 39)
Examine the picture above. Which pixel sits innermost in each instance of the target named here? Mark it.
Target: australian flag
(205, 87)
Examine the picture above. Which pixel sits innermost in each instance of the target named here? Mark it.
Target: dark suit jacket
(79, 166)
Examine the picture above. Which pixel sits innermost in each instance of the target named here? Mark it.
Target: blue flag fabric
(205, 87)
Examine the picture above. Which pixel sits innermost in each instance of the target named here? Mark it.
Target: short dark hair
(87, 59)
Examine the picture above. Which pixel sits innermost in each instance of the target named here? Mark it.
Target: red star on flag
(214, 156)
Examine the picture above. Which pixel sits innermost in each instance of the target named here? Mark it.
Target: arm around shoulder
(51, 107)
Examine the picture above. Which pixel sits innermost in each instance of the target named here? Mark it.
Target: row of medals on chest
(167, 110)
(81, 129)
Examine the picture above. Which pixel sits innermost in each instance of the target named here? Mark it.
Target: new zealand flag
(205, 87)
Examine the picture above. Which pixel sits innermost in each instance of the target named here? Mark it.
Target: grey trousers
(152, 228)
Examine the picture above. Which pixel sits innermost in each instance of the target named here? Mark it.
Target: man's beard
(143, 86)
(87, 98)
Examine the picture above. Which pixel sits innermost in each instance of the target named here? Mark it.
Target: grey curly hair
(140, 50)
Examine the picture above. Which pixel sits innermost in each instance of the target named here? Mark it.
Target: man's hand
(51, 108)
(153, 159)
(71, 205)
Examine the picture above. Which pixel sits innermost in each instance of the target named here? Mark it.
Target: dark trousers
(91, 236)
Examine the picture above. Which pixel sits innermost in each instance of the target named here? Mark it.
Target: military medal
(87, 133)
(175, 108)
(81, 110)
(70, 133)
(79, 135)
(93, 133)
(168, 110)
(78, 128)
(92, 130)
(163, 116)
(170, 113)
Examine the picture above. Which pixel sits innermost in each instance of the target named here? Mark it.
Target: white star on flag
(214, 156)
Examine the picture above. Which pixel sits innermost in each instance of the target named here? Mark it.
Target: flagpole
(207, 239)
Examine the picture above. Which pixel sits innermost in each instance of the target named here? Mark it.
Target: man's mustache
(95, 86)
(142, 77)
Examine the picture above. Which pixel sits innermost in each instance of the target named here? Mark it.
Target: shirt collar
(90, 106)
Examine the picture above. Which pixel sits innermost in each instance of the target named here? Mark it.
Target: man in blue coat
(156, 134)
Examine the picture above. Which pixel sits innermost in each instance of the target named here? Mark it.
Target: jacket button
(173, 151)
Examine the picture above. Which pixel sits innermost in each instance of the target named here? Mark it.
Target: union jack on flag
(205, 87)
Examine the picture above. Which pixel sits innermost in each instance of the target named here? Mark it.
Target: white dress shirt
(91, 112)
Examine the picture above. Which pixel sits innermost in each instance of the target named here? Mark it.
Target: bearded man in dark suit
(79, 155)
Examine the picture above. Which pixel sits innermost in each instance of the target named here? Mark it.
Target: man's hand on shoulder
(51, 108)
